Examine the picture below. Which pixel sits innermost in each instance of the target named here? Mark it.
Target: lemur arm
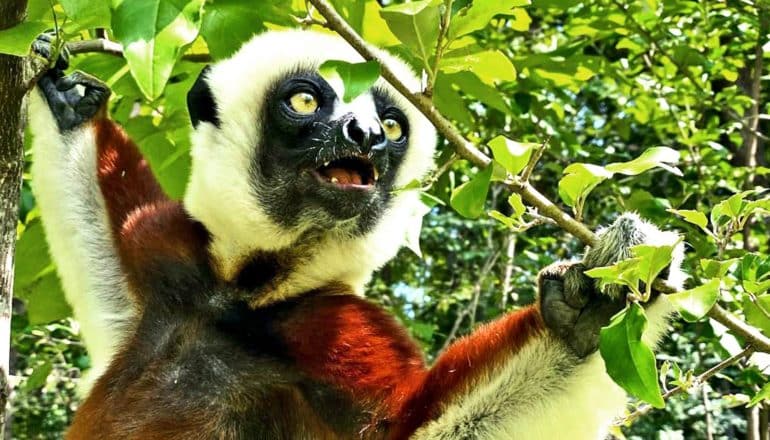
(80, 157)
(533, 373)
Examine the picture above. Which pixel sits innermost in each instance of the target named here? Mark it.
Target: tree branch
(468, 151)
(103, 45)
(14, 73)
(697, 382)
(463, 147)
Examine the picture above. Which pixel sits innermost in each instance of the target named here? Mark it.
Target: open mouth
(348, 172)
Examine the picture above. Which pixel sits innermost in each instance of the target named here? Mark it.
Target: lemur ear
(200, 101)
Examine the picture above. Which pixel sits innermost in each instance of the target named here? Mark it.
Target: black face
(319, 164)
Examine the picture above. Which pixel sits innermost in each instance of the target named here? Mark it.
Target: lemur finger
(597, 314)
(63, 60)
(578, 287)
(557, 314)
(80, 78)
(42, 47)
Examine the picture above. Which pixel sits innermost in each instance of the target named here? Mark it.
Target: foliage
(612, 94)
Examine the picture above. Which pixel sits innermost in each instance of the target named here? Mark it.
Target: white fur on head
(221, 196)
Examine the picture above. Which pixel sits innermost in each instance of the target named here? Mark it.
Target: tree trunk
(12, 90)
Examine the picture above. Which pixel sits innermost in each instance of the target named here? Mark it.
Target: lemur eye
(392, 129)
(303, 103)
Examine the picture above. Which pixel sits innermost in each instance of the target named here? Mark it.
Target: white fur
(542, 392)
(75, 220)
(221, 196)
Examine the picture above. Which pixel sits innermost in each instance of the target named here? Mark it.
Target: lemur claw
(573, 309)
(70, 105)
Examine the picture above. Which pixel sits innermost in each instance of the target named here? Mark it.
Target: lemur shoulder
(238, 313)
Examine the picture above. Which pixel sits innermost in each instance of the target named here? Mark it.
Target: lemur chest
(225, 377)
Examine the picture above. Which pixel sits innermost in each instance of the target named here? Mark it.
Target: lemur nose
(367, 138)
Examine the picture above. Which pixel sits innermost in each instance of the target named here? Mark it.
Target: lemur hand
(71, 106)
(572, 308)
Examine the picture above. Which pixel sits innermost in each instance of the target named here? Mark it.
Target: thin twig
(536, 155)
(697, 382)
(103, 45)
(468, 151)
(440, 45)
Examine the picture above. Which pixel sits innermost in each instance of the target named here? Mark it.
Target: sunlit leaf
(87, 13)
(693, 304)
(490, 66)
(659, 157)
(356, 77)
(579, 180)
(480, 14)
(18, 39)
(153, 34)
(695, 217)
(512, 155)
(416, 24)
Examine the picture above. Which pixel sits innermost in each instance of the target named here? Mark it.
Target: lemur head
(281, 161)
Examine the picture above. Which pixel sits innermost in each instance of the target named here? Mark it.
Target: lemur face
(278, 155)
(323, 157)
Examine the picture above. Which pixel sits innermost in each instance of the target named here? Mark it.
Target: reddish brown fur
(330, 336)
(356, 346)
(146, 224)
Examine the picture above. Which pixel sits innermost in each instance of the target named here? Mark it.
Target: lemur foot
(71, 105)
(572, 308)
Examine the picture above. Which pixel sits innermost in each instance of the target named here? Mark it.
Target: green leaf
(512, 155)
(490, 66)
(756, 314)
(653, 260)
(730, 208)
(229, 23)
(579, 180)
(32, 258)
(416, 24)
(520, 20)
(45, 300)
(356, 77)
(517, 205)
(715, 268)
(629, 361)
(154, 34)
(762, 394)
(658, 157)
(39, 375)
(18, 39)
(693, 304)
(479, 15)
(468, 199)
(87, 13)
(470, 84)
(695, 217)
(625, 273)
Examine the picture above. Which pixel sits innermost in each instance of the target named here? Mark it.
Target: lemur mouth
(353, 172)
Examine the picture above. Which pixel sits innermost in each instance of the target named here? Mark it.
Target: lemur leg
(73, 147)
